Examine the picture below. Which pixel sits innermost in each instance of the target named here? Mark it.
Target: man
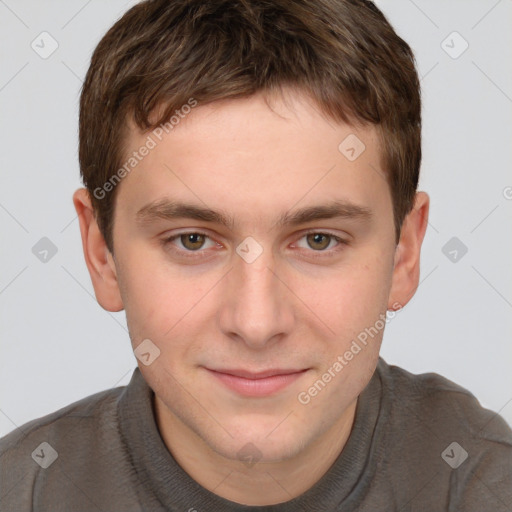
(251, 172)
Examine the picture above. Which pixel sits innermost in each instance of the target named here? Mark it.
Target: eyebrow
(170, 210)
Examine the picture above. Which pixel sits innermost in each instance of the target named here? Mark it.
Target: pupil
(317, 239)
(193, 240)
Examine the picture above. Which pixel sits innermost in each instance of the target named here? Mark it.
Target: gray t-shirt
(418, 443)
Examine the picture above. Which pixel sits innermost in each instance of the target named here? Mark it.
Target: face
(297, 263)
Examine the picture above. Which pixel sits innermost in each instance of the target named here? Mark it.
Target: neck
(235, 480)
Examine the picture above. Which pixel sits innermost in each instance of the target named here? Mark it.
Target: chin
(258, 445)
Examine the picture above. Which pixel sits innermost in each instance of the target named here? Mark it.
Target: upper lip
(258, 375)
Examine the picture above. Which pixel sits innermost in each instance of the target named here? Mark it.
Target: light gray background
(58, 345)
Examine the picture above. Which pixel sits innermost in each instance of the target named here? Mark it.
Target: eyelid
(325, 253)
(168, 239)
(341, 241)
(327, 232)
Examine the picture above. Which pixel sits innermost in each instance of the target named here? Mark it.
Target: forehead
(252, 155)
(262, 123)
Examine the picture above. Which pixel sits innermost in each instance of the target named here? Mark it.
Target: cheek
(162, 301)
(352, 299)
(353, 306)
(153, 298)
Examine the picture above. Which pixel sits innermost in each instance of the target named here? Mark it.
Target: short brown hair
(343, 53)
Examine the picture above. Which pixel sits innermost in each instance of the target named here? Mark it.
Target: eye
(321, 242)
(193, 244)
(191, 241)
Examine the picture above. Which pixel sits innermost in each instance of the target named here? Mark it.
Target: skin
(284, 310)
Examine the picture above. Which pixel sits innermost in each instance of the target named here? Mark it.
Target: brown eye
(318, 241)
(192, 241)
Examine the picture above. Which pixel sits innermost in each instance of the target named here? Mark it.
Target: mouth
(256, 384)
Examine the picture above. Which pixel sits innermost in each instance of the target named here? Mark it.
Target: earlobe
(406, 270)
(98, 259)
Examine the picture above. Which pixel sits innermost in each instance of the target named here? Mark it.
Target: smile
(256, 384)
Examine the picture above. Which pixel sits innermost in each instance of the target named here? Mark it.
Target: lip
(256, 384)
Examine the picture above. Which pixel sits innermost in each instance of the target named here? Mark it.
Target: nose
(257, 308)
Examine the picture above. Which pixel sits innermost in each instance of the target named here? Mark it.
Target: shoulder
(91, 407)
(74, 435)
(438, 434)
(438, 400)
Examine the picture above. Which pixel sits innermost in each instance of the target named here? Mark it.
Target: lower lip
(256, 387)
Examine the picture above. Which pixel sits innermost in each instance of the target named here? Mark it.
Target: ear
(98, 258)
(406, 271)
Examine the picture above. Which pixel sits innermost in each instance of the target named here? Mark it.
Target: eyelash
(325, 253)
